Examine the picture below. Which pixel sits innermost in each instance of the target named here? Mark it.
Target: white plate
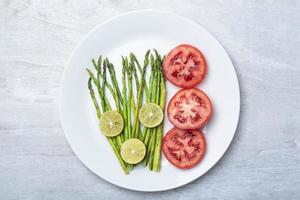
(138, 31)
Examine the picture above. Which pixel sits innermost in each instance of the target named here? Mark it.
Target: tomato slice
(189, 109)
(184, 66)
(184, 148)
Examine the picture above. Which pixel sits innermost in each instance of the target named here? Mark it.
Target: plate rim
(67, 66)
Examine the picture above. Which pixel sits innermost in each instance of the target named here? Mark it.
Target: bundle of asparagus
(129, 105)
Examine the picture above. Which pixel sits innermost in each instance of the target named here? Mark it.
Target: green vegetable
(112, 141)
(156, 94)
(155, 99)
(149, 97)
(129, 105)
(112, 72)
(135, 62)
(115, 90)
(157, 150)
(135, 131)
(124, 95)
(92, 93)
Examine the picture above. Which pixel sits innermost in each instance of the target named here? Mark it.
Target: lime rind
(111, 123)
(151, 115)
(133, 151)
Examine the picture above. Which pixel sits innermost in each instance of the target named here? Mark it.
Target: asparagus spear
(155, 130)
(124, 94)
(135, 131)
(98, 68)
(153, 98)
(114, 80)
(111, 140)
(134, 59)
(137, 84)
(119, 138)
(133, 65)
(136, 62)
(129, 82)
(92, 93)
(103, 75)
(153, 136)
(147, 131)
(157, 149)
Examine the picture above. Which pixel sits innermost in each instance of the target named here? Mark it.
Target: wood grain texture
(261, 37)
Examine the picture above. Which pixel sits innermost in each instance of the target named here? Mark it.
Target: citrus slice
(133, 151)
(111, 123)
(151, 115)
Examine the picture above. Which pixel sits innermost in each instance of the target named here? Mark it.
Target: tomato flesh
(184, 66)
(189, 109)
(184, 148)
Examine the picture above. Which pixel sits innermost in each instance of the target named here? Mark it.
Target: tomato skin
(188, 124)
(201, 72)
(200, 152)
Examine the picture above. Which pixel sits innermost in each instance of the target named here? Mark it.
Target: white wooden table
(263, 40)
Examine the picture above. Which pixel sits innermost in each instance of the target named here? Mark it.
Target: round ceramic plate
(136, 32)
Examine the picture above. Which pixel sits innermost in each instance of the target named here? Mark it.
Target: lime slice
(133, 151)
(111, 123)
(151, 115)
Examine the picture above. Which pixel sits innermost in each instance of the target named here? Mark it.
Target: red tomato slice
(184, 148)
(189, 109)
(184, 66)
